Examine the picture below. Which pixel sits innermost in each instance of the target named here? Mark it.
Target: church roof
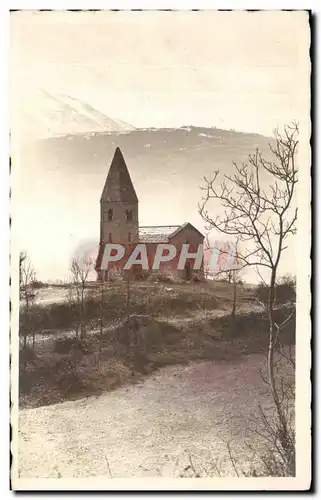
(151, 234)
(156, 234)
(118, 185)
(161, 234)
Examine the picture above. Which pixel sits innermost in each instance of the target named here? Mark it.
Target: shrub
(164, 278)
(91, 308)
(62, 316)
(39, 284)
(285, 291)
(115, 274)
(142, 275)
(69, 376)
(26, 354)
(197, 278)
(64, 345)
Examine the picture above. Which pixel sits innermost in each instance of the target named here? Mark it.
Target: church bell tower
(118, 205)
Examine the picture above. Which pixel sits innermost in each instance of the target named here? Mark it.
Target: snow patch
(210, 136)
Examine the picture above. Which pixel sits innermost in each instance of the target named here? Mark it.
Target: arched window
(129, 215)
(109, 237)
(129, 237)
(110, 214)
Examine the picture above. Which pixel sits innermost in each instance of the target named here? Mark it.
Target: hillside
(188, 151)
(144, 327)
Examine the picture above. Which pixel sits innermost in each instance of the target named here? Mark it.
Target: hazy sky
(228, 69)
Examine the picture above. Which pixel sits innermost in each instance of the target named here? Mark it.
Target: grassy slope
(165, 324)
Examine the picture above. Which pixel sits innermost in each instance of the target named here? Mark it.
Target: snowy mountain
(44, 114)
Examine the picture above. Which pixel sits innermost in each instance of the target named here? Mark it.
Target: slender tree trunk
(78, 310)
(101, 313)
(82, 333)
(128, 329)
(128, 298)
(233, 314)
(28, 320)
(271, 352)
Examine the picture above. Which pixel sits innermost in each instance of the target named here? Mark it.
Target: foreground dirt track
(147, 429)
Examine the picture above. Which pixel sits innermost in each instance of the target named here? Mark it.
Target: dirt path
(143, 430)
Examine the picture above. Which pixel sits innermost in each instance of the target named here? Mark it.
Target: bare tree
(101, 309)
(22, 258)
(234, 280)
(72, 300)
(128, 276)
(227, 268)
(80, 273)
(75, 292)
(27, 279)
(261, 220)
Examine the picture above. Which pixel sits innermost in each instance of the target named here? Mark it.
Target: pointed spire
(118, 185)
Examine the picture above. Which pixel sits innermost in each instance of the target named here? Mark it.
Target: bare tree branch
(265, 218)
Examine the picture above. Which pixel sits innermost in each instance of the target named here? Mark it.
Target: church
(119, 223)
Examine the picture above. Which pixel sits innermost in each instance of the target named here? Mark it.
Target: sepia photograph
(160, 247)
